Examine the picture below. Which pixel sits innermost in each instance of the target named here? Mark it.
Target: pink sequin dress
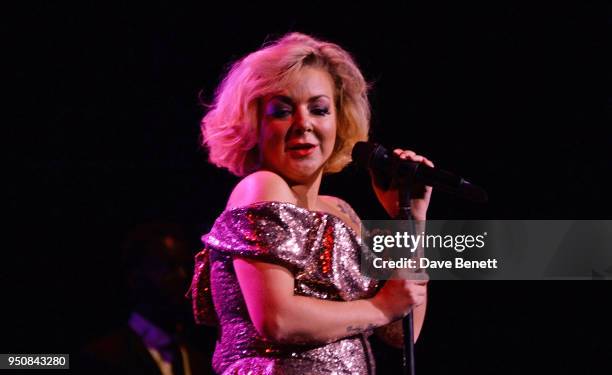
(323, 254)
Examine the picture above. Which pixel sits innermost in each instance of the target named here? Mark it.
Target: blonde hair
(231, 126)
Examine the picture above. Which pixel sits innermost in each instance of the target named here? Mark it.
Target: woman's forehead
(306, 84)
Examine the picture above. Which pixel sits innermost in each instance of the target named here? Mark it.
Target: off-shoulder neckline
(299, 208)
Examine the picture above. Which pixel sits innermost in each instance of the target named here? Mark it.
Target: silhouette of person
(159, 336)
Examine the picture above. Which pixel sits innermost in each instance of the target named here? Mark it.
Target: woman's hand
(419, 194)
(398, 297)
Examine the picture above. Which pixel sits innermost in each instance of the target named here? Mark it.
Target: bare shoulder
(260, 186)
(342, 209)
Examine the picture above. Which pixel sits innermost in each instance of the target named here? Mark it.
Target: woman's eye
(278, 112)
(320, 111)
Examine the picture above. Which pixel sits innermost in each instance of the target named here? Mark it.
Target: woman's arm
(392, 334)
(281, 316)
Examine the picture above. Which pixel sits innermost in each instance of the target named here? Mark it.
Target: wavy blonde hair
(230, 128)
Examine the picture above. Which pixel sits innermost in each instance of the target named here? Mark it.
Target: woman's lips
(301, 150)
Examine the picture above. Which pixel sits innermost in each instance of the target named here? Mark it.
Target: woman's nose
(302, 121)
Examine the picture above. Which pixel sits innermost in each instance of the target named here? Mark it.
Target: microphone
(386, 165)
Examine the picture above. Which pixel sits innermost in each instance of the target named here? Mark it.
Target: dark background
(105, 127)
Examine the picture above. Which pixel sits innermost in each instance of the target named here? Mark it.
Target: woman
(279, 272)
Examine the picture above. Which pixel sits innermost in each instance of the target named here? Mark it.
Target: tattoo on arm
(360, 329)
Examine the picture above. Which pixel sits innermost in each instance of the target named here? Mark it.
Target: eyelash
(281, 113)
(322, 111)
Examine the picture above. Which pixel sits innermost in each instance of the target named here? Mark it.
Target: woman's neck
(307, 193)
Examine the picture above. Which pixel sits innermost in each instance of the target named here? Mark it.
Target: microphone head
(371, 155)
(376, 158)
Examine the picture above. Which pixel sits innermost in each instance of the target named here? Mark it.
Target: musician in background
(158, 336)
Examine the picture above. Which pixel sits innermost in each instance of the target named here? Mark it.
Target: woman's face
(298, 126)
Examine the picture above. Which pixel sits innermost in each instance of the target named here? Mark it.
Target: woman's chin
(304, 172)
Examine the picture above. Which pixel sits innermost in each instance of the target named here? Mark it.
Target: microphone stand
(407, 322)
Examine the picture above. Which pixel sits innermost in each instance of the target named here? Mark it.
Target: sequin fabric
(323, 254)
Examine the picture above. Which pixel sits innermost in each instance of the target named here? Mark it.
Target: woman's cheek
(330, 139)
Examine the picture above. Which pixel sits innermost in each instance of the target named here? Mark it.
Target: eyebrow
(287, 100)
